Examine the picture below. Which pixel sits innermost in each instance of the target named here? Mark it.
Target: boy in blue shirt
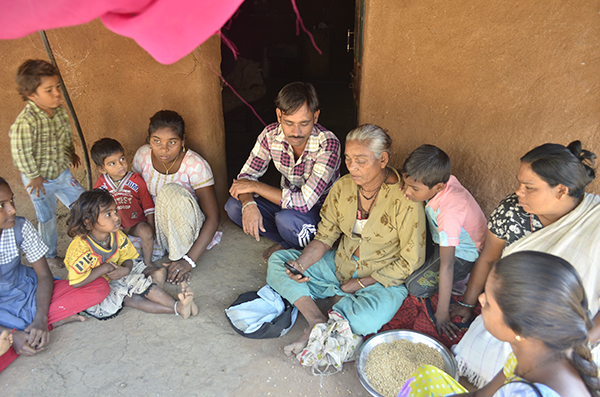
(456, 223)
(42, 148)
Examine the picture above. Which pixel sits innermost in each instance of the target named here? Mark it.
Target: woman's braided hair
(542, 297)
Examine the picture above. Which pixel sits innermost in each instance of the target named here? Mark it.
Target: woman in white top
(182, 186)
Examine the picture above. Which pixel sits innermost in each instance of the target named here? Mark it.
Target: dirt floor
(139, 354)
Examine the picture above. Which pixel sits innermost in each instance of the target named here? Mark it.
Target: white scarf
(576, 238)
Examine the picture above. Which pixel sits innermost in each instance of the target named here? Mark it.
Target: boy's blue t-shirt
(456, 220)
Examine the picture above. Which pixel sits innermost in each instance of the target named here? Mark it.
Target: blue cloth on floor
(250, 316)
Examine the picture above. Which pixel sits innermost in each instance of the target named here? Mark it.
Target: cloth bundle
(330, 345)
(262, 314)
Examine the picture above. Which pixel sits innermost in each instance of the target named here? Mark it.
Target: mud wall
(484, 80)
(116, 87)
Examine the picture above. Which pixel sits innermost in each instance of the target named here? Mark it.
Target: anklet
(175, 308)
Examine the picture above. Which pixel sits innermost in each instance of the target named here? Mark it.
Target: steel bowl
(450, 365)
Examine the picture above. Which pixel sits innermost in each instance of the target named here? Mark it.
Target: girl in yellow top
(101, 249)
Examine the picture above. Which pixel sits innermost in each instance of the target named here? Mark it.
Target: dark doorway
(264, 32)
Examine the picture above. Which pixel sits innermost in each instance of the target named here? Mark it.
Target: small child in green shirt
(41, 143)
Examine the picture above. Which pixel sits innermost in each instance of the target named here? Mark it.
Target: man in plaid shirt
(308, 158)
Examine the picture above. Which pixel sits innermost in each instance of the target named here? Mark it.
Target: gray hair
(374, 137)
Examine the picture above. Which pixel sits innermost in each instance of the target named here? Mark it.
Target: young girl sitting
(536, 302)
(31, 301)
(100, 249)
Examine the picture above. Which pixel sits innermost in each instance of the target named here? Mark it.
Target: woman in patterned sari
(550, 212)
(382, 241)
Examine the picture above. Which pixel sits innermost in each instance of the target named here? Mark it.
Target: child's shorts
(134, 283)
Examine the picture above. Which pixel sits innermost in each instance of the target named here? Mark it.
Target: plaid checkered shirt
(41, 145)
(305, 182)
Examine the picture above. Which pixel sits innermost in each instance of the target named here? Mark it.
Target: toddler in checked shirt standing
(42, 148)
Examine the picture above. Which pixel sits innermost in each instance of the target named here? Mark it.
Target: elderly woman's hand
(297, 277)
(351, 286)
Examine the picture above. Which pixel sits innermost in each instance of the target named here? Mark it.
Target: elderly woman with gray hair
(382, 241)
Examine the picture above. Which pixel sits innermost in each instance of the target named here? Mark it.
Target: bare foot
(194, 307)
(56, 262)
(6, 341)
(186, 306)
(299, 345)
(71, 319)
(269, 251)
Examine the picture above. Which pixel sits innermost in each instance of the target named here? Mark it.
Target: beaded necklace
(361, 213)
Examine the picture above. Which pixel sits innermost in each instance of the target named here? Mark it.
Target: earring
(183, 149)
(518, 337)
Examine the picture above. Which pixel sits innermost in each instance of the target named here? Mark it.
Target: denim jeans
(67, 189)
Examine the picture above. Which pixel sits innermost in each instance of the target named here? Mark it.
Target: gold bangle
(360, 283)
(300, 264)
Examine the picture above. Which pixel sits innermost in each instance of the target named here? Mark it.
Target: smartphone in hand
(293, 269)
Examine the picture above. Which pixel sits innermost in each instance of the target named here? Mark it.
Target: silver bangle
(247, 204)
(189, 260)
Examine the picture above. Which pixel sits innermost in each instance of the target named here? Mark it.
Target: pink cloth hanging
(167, 29)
